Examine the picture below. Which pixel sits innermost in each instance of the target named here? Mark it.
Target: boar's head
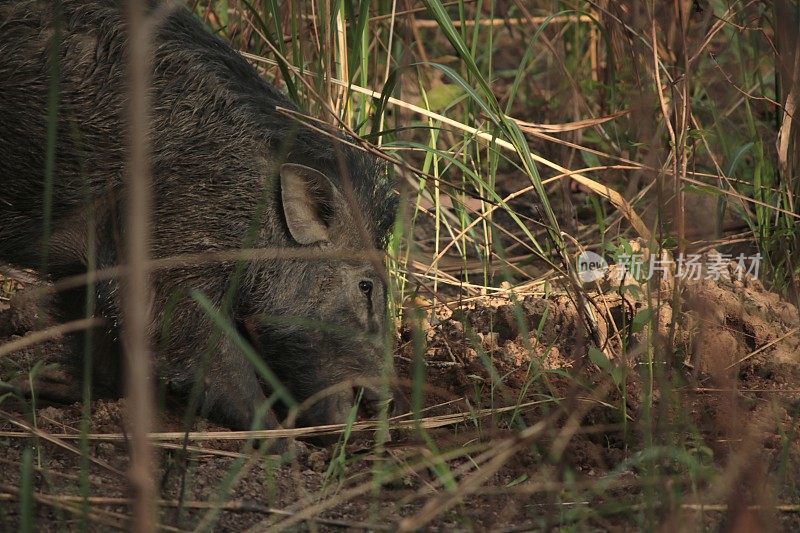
(325, 324)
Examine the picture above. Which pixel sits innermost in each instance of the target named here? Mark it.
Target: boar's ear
(307, 197)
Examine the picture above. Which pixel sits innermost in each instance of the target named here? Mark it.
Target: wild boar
(229, 171)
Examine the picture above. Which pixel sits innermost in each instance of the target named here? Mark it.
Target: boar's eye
(365, 286)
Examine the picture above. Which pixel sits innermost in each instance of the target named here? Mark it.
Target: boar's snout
(373, 402)
(336, 408)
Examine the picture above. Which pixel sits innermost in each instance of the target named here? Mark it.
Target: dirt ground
(725, 381)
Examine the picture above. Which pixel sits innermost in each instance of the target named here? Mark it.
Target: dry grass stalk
(137, 287)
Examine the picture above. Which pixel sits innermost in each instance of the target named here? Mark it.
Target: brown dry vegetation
(522, 393)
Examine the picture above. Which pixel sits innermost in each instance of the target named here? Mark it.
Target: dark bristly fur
(218, 146)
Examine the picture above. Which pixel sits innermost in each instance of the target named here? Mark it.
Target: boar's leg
(233, 393)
